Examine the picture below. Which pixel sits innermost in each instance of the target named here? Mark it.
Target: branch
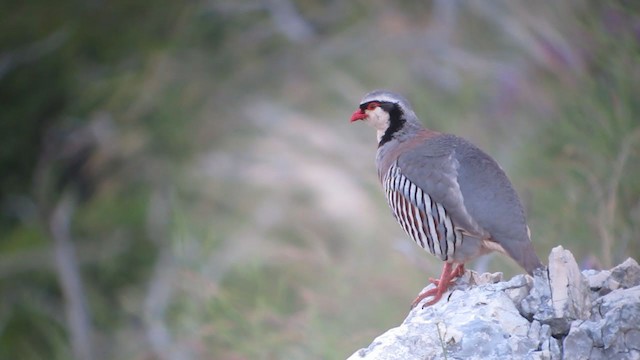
(68, 270)
(161, 285)
(9, 60)
(39, 259)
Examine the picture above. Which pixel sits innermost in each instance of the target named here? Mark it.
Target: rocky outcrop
(560, 313)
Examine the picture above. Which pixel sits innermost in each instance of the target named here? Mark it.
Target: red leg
(456, 273)
(459, 271)
(447, 278)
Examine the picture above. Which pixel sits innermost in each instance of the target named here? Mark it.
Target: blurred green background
(179, 180)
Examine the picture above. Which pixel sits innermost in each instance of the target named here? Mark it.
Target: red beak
(358, 115)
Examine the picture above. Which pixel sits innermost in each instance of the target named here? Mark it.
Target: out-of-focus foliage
(585, 160)
(179, 179)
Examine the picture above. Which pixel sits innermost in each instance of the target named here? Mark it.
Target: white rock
(597, 279)
(569, 292)
(462, 324)
(485, 318)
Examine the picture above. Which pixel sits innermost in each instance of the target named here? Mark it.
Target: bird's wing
(435, 171)
(494, 204)
(475, 192)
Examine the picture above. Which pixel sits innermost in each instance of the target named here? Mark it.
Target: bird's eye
(372, 105)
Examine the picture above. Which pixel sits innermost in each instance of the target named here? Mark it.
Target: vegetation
(179, 179)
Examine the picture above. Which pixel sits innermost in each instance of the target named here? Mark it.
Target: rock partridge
(450, 197)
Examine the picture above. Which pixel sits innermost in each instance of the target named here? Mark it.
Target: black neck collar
(396, 121)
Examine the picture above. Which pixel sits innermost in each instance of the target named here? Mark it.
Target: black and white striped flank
(423, 219)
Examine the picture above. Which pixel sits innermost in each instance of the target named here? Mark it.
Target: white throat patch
(379, 119)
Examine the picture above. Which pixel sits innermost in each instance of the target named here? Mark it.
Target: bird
(450, 197)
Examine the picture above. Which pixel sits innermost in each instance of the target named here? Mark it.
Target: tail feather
(527, 258)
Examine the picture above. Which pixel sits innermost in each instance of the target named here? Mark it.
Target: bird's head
(386, 111)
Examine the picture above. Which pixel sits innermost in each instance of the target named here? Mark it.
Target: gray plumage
(453, 199)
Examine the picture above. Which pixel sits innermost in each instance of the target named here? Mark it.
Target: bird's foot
(447, 279)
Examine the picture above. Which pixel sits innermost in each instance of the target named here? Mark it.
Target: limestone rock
(570, 297)
(462, 325)
(627, 274)
(561, 313)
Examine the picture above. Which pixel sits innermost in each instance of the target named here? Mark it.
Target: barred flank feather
(423, 219)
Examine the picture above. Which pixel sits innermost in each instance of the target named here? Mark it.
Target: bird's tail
(527, 258)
